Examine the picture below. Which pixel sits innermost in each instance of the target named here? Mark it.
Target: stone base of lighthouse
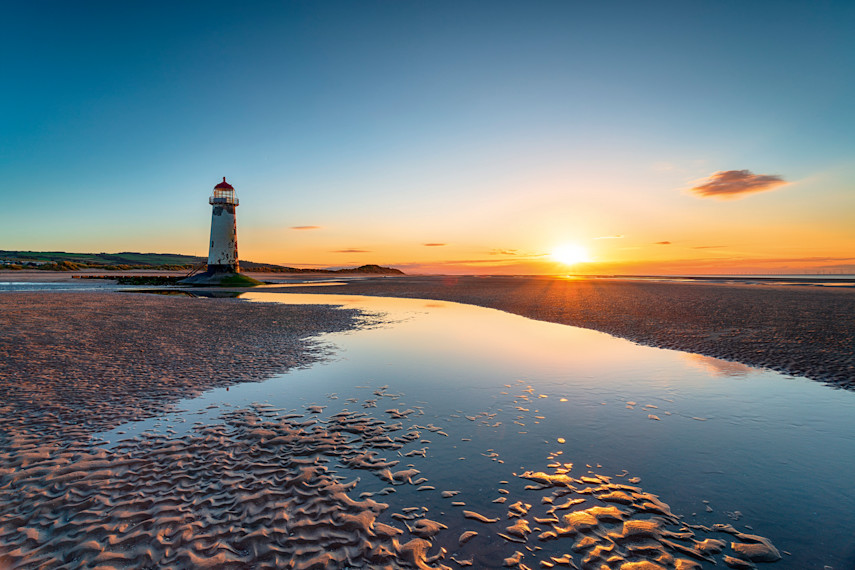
(216, 278)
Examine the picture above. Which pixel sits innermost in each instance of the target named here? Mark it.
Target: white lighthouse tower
(223, 268)
(223, 253)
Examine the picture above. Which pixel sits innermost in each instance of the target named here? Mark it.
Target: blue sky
(486, 126)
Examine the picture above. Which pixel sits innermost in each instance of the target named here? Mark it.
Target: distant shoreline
(19, 276)
(837, 280)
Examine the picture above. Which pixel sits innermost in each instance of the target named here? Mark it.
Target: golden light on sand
(571, 254)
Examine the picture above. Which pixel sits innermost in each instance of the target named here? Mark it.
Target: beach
(267, 487)
(75, 364)
(81, 362)
(797, 330)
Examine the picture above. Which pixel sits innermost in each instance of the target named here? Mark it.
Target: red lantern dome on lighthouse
(224, 185)
(224, 193)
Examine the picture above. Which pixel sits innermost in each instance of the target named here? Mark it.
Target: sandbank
(80, 362)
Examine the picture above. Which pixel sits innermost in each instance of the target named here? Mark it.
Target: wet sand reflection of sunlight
(717, 366)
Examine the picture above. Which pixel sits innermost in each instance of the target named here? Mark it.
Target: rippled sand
(349, 483)
(265, 488)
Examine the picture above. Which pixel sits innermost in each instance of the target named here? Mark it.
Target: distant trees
(59, 266)
(75, 266)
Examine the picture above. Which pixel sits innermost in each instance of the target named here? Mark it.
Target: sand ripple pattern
(264, 489)
(252, 492)
(614, 525)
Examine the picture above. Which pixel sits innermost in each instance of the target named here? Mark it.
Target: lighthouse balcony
(223, 200)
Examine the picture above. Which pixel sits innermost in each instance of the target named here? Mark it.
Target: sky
(457, 137)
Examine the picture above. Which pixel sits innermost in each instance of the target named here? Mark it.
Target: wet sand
(263, 487)
(798, 330)
(272, 488)
(83, 362)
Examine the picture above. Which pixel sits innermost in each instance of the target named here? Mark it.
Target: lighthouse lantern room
(223, 254)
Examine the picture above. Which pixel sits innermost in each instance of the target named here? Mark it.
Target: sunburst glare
(571, 254)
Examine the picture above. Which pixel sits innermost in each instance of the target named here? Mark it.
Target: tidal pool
(503, 402)
(69, 285)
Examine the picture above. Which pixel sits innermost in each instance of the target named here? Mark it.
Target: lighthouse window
(212, 243)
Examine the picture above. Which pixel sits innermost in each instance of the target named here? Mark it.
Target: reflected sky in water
(68, 285)
(778, 450)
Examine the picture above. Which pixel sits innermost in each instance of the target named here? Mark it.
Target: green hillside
(63, 261)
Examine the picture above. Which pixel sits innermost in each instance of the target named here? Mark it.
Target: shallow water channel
(719, 442)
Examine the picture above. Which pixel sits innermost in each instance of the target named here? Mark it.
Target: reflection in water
(717, 366)
(552, 432)
(88, 285)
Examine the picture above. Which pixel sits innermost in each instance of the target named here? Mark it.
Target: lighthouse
(223, 268)
(222, 253)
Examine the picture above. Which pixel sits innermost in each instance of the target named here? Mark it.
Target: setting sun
(571, 254)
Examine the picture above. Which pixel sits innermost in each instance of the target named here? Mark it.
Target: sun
(571, 254)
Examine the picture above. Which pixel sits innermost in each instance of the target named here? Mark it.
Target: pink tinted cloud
(305, 227)
(736, 184)
(433, 244)
(351, 251)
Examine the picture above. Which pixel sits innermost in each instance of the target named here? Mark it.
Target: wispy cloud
(807, 259)
(618, 236)
(726, 184)
(433, 244)
(457, 262)
(662, 243)
(515, 254)
(351, 251)
(305, 227)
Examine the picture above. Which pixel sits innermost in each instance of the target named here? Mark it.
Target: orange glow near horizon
(545, 246)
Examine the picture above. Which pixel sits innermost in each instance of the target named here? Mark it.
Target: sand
(83, 362)
(252, 492)
(264, 488)
(271, 488)
(798, 330)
